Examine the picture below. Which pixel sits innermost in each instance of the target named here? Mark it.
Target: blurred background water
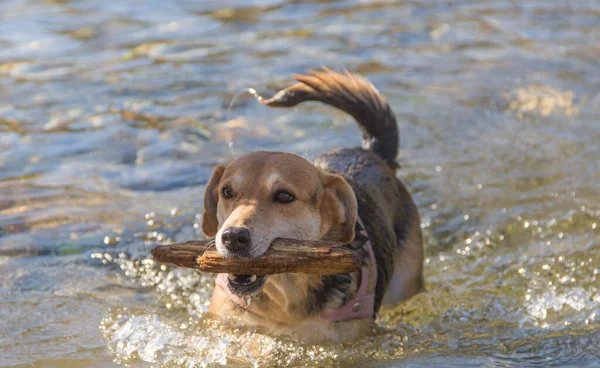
(113, 113)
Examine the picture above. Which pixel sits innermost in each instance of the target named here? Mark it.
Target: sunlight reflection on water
(112, 116)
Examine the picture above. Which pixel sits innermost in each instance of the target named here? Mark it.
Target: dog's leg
(407, 279)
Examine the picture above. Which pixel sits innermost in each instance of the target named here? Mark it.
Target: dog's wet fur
(327, 196)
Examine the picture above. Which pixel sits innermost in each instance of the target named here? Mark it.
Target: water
(112, 115)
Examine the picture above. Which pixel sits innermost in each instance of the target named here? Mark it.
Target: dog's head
(267, 195)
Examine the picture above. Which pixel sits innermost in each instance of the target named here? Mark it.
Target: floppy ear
(210, 224)
(339, 209)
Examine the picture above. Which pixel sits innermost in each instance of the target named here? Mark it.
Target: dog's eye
(283, 197)
(227, 192)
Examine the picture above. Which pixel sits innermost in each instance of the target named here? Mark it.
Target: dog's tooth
(248, 300)
(253, 278)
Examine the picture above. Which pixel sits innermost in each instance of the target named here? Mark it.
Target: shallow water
(113, 114)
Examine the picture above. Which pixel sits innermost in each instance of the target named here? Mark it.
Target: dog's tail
(355, 95)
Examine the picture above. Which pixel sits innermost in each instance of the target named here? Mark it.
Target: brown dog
(348, 195)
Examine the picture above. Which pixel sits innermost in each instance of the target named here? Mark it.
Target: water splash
(166, 339)
(249, 90)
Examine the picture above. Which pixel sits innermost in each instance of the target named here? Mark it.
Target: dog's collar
(363, 304)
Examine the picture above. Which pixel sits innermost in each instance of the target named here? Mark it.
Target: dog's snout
(235, 238)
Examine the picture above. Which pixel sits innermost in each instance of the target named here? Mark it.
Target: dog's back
(385, 206)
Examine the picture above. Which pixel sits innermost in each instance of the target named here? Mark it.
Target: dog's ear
(339, 209)
(210, 224)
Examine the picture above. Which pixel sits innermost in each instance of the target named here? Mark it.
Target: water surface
(112, 115)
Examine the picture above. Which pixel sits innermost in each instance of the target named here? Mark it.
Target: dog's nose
(235, 238)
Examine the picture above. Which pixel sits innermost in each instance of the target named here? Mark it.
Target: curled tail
(353, 94)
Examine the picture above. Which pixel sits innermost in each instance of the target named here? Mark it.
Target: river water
(113, 113)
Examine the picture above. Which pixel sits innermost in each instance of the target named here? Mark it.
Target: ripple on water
(40, 71)
(186, 52)
(560, 349)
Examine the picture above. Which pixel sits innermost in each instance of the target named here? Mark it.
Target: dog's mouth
(245, 285)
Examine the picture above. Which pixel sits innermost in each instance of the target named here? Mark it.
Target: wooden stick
(284, 256)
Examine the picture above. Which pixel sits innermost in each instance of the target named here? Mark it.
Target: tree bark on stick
(284, 256)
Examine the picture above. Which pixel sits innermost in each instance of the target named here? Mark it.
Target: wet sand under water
(112, 116)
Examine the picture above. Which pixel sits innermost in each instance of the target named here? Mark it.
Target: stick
(284, 255)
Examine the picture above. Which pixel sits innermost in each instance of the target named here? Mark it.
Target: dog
(348, 195)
